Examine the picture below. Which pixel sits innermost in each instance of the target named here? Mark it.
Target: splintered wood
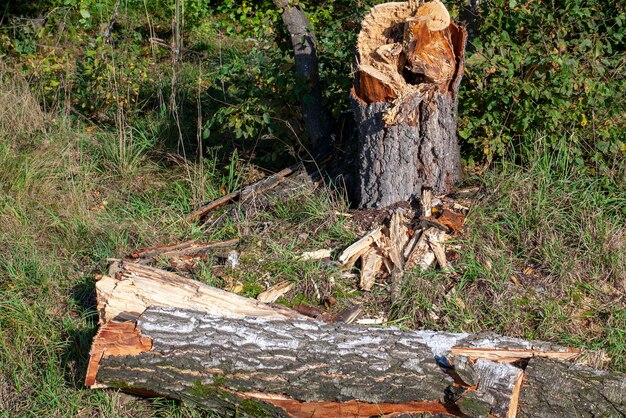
(398, 247)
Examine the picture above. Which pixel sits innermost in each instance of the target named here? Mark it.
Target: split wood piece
(512, 355)
(372, 266)
(427, 203)
(514, 404)
(246, 193)
(350, 255)
(315, 255)
(398, 238)
(422, 255)
(186, 248)
(436, 241)
(272, 294)
(134, 287)
(429, 52)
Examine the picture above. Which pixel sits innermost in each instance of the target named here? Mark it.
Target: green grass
(545, 258)
(64, 209)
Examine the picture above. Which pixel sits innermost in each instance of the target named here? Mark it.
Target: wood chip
(272, 294)
(351, 254)
(372, 265)
(315, 255)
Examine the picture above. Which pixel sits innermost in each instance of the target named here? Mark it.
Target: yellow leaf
(583, 121)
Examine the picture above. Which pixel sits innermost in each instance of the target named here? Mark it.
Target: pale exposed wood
(316, 255)
(135, 287)
(372, 265)
(514, 404)
(421, 255)
(410, 246)
(351, 254)
(427, 203)
(436, 241)
(374, 66)
(436, 13)
(398, 237)
(503, 355)
(272, 294)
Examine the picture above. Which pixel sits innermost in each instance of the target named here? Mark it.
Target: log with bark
(410, 62)
(165, 335)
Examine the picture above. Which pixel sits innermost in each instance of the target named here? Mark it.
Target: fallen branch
(178, 250)
(246, 193)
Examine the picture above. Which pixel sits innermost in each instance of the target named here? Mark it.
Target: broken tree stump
(409, 69)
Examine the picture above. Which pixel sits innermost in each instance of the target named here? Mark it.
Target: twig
(246, 193)
(112, 22)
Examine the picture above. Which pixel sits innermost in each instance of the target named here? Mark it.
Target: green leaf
(85, 13)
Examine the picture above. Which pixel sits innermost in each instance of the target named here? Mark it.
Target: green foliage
(548, 66)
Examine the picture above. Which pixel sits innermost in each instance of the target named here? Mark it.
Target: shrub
(552, 67)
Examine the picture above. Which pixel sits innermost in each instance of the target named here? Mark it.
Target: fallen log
(166, 335)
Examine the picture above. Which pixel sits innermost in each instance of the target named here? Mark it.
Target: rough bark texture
(405, 104)
(397, 162)
(303, 368)
(236, 356)
(209, 359)
(554, 389)
(316, 118)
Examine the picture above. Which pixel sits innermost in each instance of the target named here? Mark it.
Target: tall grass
(545, 258)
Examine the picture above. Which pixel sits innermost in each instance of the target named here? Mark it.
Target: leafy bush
(552, 67)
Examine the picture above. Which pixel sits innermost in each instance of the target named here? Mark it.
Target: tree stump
(409, 67)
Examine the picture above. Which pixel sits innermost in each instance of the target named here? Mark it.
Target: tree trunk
(410, 65)
(554, 389)
(302, 368)
(166, 335)
(316, 119)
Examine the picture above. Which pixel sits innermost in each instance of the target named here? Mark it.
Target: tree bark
(169, 336)
(555, 389)
(316, 119)
(405, 103)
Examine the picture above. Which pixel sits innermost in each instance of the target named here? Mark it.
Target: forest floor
(543, 256)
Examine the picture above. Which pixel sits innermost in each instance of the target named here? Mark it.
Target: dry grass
(20, 113)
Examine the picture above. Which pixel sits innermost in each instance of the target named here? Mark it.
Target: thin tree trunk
(316, 119)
